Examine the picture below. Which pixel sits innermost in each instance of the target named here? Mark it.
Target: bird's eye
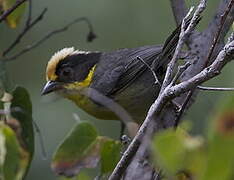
(67, 72)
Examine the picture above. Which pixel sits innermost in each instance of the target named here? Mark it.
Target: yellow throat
(85, 83)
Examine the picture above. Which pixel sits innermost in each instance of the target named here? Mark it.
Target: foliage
(83, 148)
(23, 113)
(9, 153)
(14, 18)
(16, 135)
(211, 157)
(16, 123)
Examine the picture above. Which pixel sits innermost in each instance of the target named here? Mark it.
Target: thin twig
(215, 22)
(41, 140)
(29, 13)
(214, 88)
(25, 30)
(171, 66)
(182, 109)
(180, 71)
(213, 70)
(231, 38)
(9, 11)
(183, 36)
(189, 95)
(196, 16)
(109, 103)
(150, 68)
(47, 36)
(218, 33)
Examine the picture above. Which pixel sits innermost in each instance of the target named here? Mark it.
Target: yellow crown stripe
(55, 59)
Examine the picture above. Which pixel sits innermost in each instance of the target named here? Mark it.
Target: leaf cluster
(179, 154)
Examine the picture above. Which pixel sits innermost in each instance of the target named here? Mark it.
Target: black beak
(50, 87)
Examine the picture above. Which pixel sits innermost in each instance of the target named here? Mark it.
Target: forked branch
(170, 91)
(162, 99)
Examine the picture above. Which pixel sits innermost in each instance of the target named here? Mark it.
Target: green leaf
(173, 150)
(110, 155)
(2, 154)
(220, 160)
(176, 152)
(22, 112)
(10, 154)
(220, 156)
(169, 150)
(14, 18)
(83, 148)
(78, 150)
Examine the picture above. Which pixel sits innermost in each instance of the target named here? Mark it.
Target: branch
(213, 70)
(134, 145)
(179, 10)
(29, 12)
(183, 107)
(151, 70)
(183, 36)
(153, 117)
(168, 94)
(162, 99)
(172, 63)
(41, 140)
(201, 44)
(50, 34)
(214, 88)
(180, 71)
(219, 29)
(9, 11)
(216, 21)
(26, 29)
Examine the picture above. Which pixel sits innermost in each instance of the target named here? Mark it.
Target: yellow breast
(90, 107)
(73, 93)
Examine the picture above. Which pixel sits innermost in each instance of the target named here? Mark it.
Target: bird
(129, 78)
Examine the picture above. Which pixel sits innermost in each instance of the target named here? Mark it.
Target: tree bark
(199, 46)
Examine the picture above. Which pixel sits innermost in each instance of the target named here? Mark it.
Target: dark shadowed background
(118, 24)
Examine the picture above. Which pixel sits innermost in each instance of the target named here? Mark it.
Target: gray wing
(135, 68)
(119, 69)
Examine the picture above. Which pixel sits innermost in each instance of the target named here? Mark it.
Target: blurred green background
(118, 24)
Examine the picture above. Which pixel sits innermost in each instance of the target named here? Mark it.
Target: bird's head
(70, 69)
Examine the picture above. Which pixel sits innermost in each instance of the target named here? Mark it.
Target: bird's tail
(170, 45)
